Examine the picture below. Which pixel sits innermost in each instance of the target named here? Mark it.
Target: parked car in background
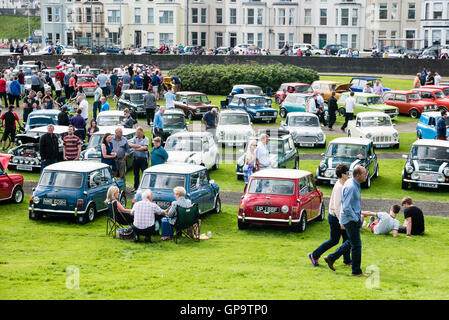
(426, 165)
(281, 146)
(66, 189)
(294, 102)
(395, 52)
(442, 87)
(27, 87)
(434, 95)
(111, 118)
(344, 53)
(240, 48)
(133, 100)
(40, 118)
(190, 50)
(87, 81)
(326, 88)
(359, 83)
(66, 51)
(245, 89)
(352, 152)
(367, 102)
(258, 107)
(234, 128)
(112, 49)
(314, 50)
(93, 71)
(292, 87)
(281, 197)
(193, 104)
(161, 180)
(332, 49)
(429, 53)
(411, 53)
(174, 122)
(51, 72)
(11, 185)
(408, 102)
(375, 126)
(427, 125)
(151, 49)
(28, 69)
(305, 129)
(193, 147)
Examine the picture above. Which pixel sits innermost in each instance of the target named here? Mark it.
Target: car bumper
(58, 213)
(288, 220)
(24, 167)
(300, 143)
(238, 143)
(380, 145)
(330, 180)
(422, 183)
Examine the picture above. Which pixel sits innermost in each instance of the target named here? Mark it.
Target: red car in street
(444, 88)
(11, 185)
(87, 81)
(281, 197)
(433, 95)
(408, 102)
(292, 87)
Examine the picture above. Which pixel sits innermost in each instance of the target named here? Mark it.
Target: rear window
(162, 181)
(61, 179)
(272, 186)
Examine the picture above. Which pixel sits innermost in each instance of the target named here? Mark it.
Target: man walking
(35, 82)
(441, 126)
(210, 120)
(349, 112)
(48, 148)
(332, 108)
(121, 147)
(83, 105)
(155, 81)
(140, 145)
(98, 93)
(16, 91)
(79, 123)
(9, 119)
(169, 99)
(158, 124)
(149, 103)
(158, 153)
(350, 218)
(103, 82)
(71, 146)
(104, 104)
(29, 103)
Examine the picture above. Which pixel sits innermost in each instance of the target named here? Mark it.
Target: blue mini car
(258, 107)
(426, 127)
(359, 83)
(162, 178)
(40, 118)
(69, 189)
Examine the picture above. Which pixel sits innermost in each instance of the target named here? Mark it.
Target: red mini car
(434, 95)
(292, 87)
(408, 102)
(444, 88)
(281, 197)
(11, 185)
(87, 81)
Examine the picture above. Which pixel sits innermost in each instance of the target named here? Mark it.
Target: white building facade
(435, 22)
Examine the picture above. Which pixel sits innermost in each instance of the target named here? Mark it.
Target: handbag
(125, 233)
(194, 231)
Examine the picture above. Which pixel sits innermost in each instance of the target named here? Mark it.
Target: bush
(218, 79)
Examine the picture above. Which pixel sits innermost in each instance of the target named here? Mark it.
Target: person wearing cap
(210, 120)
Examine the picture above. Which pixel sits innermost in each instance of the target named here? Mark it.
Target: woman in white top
(250, 161)
(58, 88)
(336, 230)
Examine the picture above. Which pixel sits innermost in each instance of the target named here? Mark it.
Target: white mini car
(234, 128)
(194, 148)
(110, 118)
(27, 87)
(305, 129)
(376, 126)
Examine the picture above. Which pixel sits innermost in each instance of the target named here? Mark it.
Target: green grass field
(58, 259)
(16, 27)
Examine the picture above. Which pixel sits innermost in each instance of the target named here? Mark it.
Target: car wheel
(296, 163)
(217, 163)
(414, 114)
(396, 146)
(342, 112)
(81, 219)
(301, 226)
(322, 212)
(367, 183)
(123, 200)
(17, 195)
(242, 225)
(377, 171)
(190, 116)
(217, 208)
(283, 112)
(239, 177)
(91, 213)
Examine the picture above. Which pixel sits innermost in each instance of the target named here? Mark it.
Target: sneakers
(371, 220)
(363, 224)
(329, 263)
(364, 275)
(347, 264)
(330, 129)
(314, 261)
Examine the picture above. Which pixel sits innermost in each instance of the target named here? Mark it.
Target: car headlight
(323, 166)
(241, 162)
(440, 178)
(408, 168)
(221, 133)
(275, 113)
(329, 174)
(415, 176)
(395, 135)
(36, 200)
(284, 209)
(368, 135)
(320, 136)
(446, 172)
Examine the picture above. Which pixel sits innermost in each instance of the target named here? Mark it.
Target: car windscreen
(174, 119)
(303, 121)
(198, 99)
(234, 119)
(82, 79)
(301, 89)
(109, 120)
(61, 179)
(346, 150)
(376, 121)
(95, 141)
(439, 95)
(137, 97)
(272, 186)
(39, 121)
(375, 100)
(414, 97)
(430, 153)
(257, 91)
(183, 144)
(162, 181)
(256, 102)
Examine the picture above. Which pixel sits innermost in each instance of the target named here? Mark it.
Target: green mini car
(367, 102)
(174, 121)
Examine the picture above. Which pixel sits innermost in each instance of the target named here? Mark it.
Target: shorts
(9, 132)
(155, 89)
(375, 223)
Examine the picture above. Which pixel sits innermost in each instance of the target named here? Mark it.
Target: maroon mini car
(292, 87)
(408, 102)
(281, 197)
(11, 185)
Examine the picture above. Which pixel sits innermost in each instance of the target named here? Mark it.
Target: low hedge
(218, 79)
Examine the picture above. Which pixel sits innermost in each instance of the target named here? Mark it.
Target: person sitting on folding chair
(171, 213)
(118, 215)
(144, 216)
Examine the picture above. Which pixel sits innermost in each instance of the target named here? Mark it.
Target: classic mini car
(174, 121)
(359, 83)
(28, 69)
(193, 104)
(436, 96)
(51, 72)
(193, 147)
(133, 100)
(408, 102)
(442, 87)
(297, 102)
(66, 189)
(93, 71)
(42, 117)
(314, 50)
(283, 153)
(426, 165)
(326, 88)
(11, 185)
(93, 149)
(352, 152)
(87, 81)
(26, 156)
(244, 89)
(27, 87)
(258, 107)
(110, 118)
(281, 197)
(292, 87)
(234, 128)
(375, 126)
(333, 48)
(426, 127)
(367, 102)
(305, 129)
(161, 180)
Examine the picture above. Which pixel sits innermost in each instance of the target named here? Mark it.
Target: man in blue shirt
(350, 218)
(67, 77)
(158, 123)
(155, 81)
(138, 81)
(158, 153)
(104, 104)
(441, 126)
(169, 99)
(103, 82)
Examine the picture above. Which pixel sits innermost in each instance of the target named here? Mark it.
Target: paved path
(230, 156)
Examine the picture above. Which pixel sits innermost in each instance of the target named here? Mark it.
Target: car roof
(297, 94)
(400, 91)
(58, 129)
(328, 82)
(111, 113)
(177, 168)
(246, 95)
(281, 173)
(426, 89)
(366, 78)
(233, 111)
(189, 93)
(191, 134)
(243, 86)
(433, 86)
(74, 166)
(432, 114)
(362, 94)
(294, 84)
(351, 140)
(85, 75)
(134, 91)
(371, 114)
(431, 142)
(111, 129)
(173, 111)
(48, 112)
(301, 114)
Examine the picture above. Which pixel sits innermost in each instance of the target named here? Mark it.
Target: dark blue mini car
(258, 107)
(73, 189)
(427, 125)
(162, 178)
(359, 83)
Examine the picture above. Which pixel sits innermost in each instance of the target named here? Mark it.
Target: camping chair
(115, 220)
(186, 218)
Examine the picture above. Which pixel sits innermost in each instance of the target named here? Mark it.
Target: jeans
(335, 233)
(150, 115)
(5, 98)
(14, 98)
(348, 117)
(47, 163)
(26, 112)
(96, 106)
(332, 119)
(354, 243)
(139, 164)
(144, 232)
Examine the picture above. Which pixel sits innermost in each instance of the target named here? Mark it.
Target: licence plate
(26, 168)
(266, 210)
(382, 145)
(306, 144)
(266, 118)
(428, 185)
(54, 202)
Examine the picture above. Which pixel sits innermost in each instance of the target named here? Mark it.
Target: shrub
(218, 79)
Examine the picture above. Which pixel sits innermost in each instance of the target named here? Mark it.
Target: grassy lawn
(395, 84)
(41, 260)
(16, 27)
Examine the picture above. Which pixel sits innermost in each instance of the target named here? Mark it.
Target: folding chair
(186, 218)
(115, 221)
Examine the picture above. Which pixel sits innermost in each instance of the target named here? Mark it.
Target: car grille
(382, 139)
(428, 176)
(306, 139)
(202, 110)
(391, 112)
(266, 114)
(234, 137)
(330, 173)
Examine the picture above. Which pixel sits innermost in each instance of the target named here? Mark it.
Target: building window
(233, 16)
(410, 34)
(114, 16)
(427, 11)
(354, 41)
(57, 15)
(281, 40)
(383, 11)
(411, 11)
(88, 15)
(97, 15)
(69, 17)
(291, 38)
(344, 40)
(150, 38)
(322, 40)
(219, 39)
(394, 11)
(355, 17)
(219, 12)
(336, 17)
(281, 17)
(436, 37)
(250, 38)
(344, 17)
(259, 16)
(381, 36)
(323, 17)
(203, 15)
(203, 39)
(166, 17)
(194, 38)
(447, 37)
(232, 39)
(151, 17)
(307, 17)
(437, 10)
(291, 17)
(49, 14)
(137, 12)
(79, 15)
(260, 42)
(166, 38)
(250, 16)
(194, 15)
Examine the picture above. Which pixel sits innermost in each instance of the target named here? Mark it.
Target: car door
(94, 185)
(401, 103)
(207, 191)
(306, 197)
(5, 185)
(315, 198)
(197, 194)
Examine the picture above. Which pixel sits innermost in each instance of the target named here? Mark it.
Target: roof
(47, 112)
(400, 91)
(426, 89)
(245, 86)
(248, 96)
(372, 114)
(441, 86)
(362, 94)
(350, 140)
(58, 129)
(131, 91)
(295, 84)
(189, 93)
(366, 78)
(301, 114)
(85, 75)
(431, 142)
(432, 113)
(74, 166)
(328, 82)
(111, 113)
(281, 173)
(233, 111)
(297, 94)
(177, 168)
(191, 134)
(173, 111)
